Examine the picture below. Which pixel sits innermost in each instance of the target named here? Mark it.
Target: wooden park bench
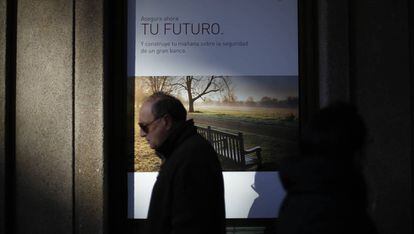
(231, 147)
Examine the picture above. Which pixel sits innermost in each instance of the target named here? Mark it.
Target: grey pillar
(59, 117)
(3, 8)
(89, 151)
(333, 53)
(44, 117)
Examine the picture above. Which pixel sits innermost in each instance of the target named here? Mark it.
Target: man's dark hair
(335, 130)
(163, 104)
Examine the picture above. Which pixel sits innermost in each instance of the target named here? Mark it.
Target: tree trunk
(189, 80)
(191, 106)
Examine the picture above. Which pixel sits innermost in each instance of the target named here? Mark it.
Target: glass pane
(234, 65)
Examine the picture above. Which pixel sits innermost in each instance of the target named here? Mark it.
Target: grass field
(273, 129)
(257, 115)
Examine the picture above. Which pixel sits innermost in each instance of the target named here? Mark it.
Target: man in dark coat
(325, 187)
(188, 196)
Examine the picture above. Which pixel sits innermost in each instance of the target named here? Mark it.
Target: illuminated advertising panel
(234, 65)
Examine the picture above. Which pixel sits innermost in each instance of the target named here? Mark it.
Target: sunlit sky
(278, 87)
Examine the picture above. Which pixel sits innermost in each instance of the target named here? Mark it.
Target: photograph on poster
(251, 121)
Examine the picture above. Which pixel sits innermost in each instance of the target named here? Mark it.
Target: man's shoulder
(194, 142)
(195, 148)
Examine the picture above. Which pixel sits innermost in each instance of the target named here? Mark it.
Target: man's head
(159, 114)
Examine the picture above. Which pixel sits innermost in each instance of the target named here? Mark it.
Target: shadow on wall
(270, 195)
(41, 208)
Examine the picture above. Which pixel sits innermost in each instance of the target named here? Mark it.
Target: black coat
(324, 196)
(188, 196)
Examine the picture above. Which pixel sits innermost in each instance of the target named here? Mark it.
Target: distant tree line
(266, 101)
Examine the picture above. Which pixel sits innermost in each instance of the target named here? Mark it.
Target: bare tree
(199, 87)
(229, 95)
(139, 91)
(160, 84)
(250, 101)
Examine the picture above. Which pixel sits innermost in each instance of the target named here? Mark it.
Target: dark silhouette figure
(324, 185)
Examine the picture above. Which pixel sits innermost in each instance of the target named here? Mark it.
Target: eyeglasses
(145, 127)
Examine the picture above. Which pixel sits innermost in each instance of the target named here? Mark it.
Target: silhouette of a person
(324, 185)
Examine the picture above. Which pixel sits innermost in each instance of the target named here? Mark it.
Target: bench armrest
(256, 150)
(253, 150)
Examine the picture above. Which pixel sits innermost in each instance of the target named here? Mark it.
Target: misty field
(254, 115)
(273, 129)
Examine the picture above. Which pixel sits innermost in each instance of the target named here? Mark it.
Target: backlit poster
(234, 65)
